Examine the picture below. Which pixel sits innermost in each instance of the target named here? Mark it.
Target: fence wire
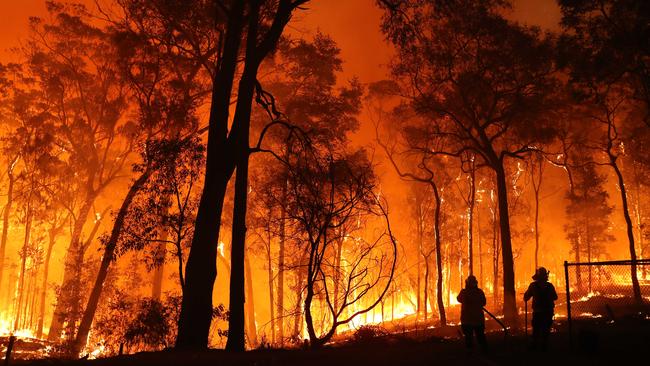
(604, 290)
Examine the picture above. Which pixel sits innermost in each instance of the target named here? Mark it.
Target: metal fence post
(568, 302)
(10, 347)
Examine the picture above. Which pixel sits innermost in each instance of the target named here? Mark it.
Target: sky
(362, 45)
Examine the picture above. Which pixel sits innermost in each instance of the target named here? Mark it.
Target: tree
(168, 92)
(536, 177)
(303, 82)
(328, 191)
(608, 38)
(589, 216)
(484, 84)
(68, 58)
(225, 150)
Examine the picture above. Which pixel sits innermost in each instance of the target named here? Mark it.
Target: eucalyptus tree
(77, 72)
(483, 82)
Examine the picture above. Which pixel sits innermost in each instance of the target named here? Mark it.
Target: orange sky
(354, 24)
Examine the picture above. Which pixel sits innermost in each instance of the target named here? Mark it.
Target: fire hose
(505, 329)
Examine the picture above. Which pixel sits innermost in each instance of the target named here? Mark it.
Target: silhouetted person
(544, 296)
(472, 321)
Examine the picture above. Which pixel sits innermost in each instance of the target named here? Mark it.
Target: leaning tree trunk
(60, 310)
(107, 258)
(24, 254)
(5, 217)
(509, 294)
(46, 270)
(200, 270)
(440, 279)
(630, 231)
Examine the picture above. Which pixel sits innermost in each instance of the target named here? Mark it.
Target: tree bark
(200, 270)
(426, 290)
(24, 254)
(255, 53)
(107, 258)
(630, 231)
(470, 221)
(241, 131)
(436, 226)
(280, 300)
(509, 294)
(52, 234)
(250, 305)
(269, 263)
(495, 258)
(60, 311)
(537, 184)
(5, 217)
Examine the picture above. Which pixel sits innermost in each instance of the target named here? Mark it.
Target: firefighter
(544, 296)
(472, 321)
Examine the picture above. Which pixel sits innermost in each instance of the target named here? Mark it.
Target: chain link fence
(605, 291)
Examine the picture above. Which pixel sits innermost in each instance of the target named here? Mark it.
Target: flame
(453, 299)
(6, 329)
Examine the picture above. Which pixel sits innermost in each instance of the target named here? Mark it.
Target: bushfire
(309, 175)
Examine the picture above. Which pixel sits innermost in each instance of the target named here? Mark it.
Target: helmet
(541, 274)
(471, 281)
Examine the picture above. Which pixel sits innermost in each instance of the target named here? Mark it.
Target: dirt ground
(594, 343)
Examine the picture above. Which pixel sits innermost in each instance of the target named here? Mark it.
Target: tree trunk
(236, 324)
(269, 263)
(420, 229)
(200, 270)
(250, 305)
(441, 305)
(280, 300)
(24, 253)
(69, 272)
(297, 319)
(577, 259)
(630, 231)
(495, 258)
(470, 221)
(426, 290)
(337, 271)
(5, 217)
(537, 184)
(107, 258)
(639, 218)
(241, 131)
(52, 234)
(509, 294)
(481, 280)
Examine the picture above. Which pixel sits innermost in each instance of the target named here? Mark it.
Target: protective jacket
(472, 301)
(544, 296)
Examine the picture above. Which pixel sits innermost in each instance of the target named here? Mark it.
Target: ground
(595, 342)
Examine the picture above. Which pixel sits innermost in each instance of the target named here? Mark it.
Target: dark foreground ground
(594, 343)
